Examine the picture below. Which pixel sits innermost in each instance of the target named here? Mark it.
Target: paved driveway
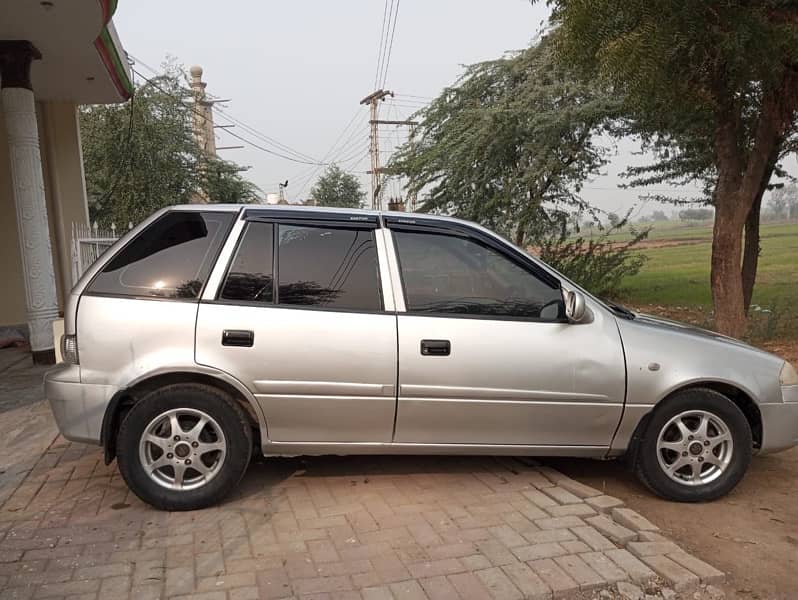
(326, 527)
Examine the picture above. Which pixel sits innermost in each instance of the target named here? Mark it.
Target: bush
(597, 264)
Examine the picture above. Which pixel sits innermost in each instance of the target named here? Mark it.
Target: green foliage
(696, 214)
(783, 203)
(682, 67)
(598, 264)
(509, 145)
(141, 156)
(222, 182)
(338, 188)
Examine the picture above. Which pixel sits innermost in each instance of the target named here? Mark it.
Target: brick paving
(331, 527)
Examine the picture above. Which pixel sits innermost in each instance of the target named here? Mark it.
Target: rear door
(485, 355)
(299, 317)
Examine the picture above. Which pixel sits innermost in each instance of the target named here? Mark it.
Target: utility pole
(373, 101)
(376, 171)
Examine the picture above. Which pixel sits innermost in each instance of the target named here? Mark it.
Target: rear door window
(327, 267)
(169, 259)
(250, 277)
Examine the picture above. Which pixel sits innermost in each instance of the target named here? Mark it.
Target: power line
(382, 41)
(390, 47)
(300, 157)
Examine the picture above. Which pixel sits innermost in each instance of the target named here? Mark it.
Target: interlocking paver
(414, 527)
(498, 584)
(559, 581)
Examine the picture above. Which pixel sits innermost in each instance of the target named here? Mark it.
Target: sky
(294, 73)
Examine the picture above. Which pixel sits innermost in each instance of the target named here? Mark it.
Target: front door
(299, 319)
(486, 357)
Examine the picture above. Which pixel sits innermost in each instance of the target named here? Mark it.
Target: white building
(54, 56)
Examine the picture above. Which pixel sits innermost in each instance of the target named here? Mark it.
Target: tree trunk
(726, 276)
(751, 250)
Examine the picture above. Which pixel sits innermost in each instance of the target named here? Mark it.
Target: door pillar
(19, 111)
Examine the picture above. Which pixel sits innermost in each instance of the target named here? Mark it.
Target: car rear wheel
(184, 446)
(696, 447)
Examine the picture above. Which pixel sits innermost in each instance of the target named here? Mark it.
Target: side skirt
(343, 449)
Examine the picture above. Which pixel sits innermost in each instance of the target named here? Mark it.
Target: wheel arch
(121, 402)
(735, 394)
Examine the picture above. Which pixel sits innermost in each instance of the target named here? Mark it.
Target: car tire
(679, 459)
(184, 446)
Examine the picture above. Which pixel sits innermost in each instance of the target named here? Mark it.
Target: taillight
(69, 349)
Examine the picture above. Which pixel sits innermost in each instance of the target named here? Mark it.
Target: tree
(719, 75)
(509, 145)
(784, 202)
(142, 155)
(221, 181)
(336, 187)
(695, 214)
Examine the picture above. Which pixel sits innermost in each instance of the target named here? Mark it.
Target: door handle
(436, 347)
(238, 337)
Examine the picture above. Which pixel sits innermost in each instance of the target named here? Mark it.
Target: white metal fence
(88, 244)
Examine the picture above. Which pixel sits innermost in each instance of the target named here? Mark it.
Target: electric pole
(376, 171)
(373, 101)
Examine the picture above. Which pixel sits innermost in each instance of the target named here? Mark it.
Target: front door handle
(436, 347)
(238, 337)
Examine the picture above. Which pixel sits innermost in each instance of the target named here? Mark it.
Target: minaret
(203, 113)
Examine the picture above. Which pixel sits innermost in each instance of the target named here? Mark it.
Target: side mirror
(574, 306)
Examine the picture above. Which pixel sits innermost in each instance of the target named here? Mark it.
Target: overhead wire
(390, 47)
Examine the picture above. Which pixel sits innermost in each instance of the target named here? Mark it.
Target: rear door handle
(238, 337)
(436, 347)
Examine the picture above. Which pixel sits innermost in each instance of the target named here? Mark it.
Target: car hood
(691, 331)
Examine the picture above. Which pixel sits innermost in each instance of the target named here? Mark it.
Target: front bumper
(78, 407)
(780, 421)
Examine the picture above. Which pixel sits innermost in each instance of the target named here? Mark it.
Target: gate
(88, 244)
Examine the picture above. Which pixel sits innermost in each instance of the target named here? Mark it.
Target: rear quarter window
(169, 259)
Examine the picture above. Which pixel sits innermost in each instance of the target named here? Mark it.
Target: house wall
(65, 194)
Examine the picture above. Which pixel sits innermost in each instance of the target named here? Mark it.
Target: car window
(250, 277)
(455, 275)
(328, 267)
(169, 259)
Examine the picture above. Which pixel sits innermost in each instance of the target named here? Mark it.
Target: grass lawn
(678, 275)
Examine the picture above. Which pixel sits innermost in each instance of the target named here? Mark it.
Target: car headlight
(788, 375)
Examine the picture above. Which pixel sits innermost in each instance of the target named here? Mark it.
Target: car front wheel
(695, 447)
(184, 447)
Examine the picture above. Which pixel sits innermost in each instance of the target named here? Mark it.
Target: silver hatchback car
(209, 331)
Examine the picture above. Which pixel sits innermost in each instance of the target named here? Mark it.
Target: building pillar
(19, 111)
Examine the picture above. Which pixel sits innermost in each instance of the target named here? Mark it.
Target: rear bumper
(78, 408)
(780, 422)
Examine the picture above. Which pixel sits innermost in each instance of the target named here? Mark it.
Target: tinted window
(169, 259)
(447, 274)
(250, 277)
(331, 268)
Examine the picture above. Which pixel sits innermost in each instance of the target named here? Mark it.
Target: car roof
(288, 208)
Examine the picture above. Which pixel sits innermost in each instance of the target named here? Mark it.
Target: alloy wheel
(695, 447)
(182, 449)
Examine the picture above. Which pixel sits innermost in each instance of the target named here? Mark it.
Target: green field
(678, 275)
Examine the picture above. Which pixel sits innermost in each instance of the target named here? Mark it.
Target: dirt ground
(751, 534)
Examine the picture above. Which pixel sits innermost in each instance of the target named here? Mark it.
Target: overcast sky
(296, 71)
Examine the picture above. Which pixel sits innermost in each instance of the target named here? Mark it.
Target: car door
(299, 318)
(486, 355)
